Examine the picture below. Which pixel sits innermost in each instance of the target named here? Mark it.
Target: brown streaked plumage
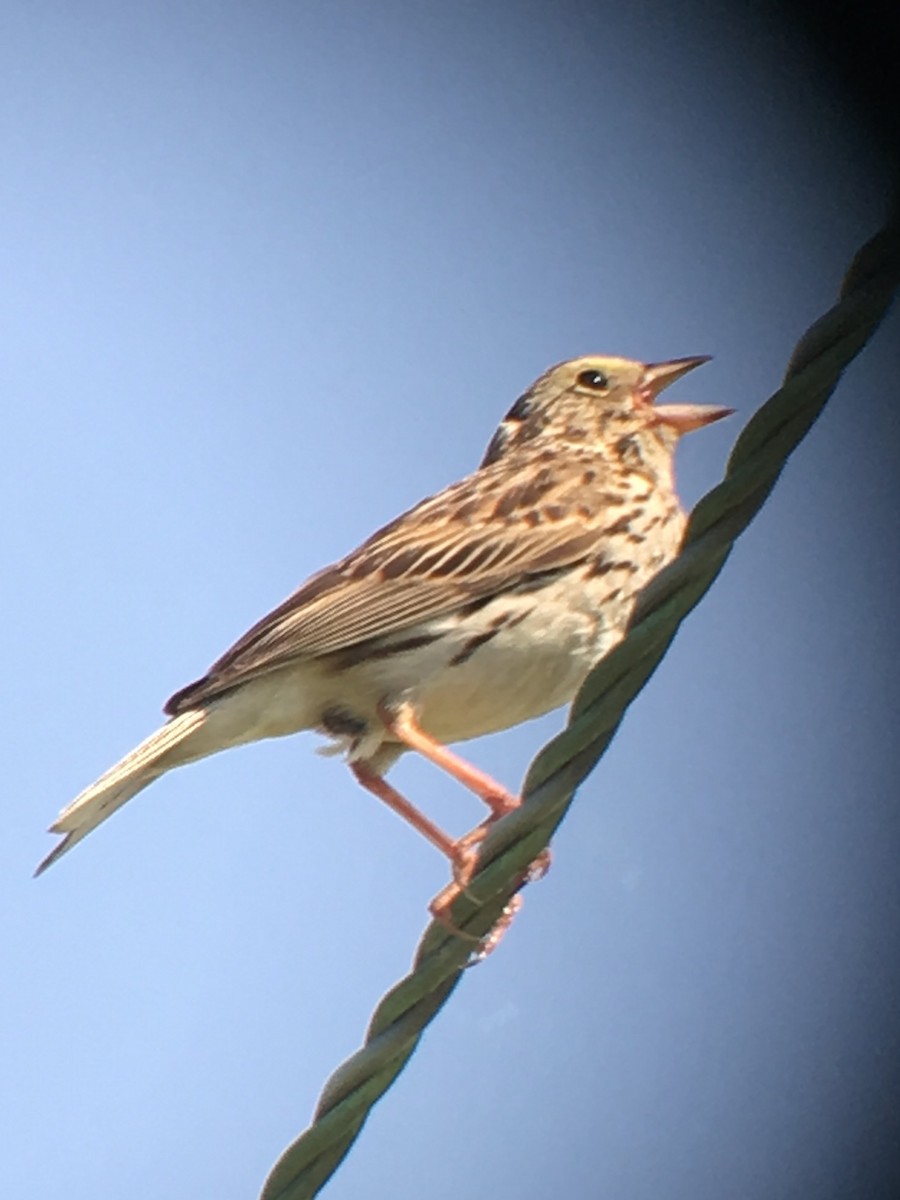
(481, 607)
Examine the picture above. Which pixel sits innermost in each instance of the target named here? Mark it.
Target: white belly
(531, 666)
(533, 663)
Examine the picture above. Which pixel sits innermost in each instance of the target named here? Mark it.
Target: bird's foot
(465, 860)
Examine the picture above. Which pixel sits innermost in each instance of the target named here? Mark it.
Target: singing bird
(481, 607)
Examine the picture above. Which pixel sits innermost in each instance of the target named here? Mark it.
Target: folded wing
(447, 552)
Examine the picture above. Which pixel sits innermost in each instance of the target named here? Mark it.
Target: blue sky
(272, 273)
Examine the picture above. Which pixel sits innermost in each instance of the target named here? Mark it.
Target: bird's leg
(461, 856)
(380, 787)
(461, 852)
(402, 724)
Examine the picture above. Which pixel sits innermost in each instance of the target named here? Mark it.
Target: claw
(464, 862)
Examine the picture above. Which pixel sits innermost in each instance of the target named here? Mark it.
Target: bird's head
(597, 401)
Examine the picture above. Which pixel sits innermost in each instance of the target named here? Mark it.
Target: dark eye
(593, 379)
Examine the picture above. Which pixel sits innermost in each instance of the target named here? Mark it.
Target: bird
(483, 606)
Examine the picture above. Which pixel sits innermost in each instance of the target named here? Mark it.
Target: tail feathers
(128, 777)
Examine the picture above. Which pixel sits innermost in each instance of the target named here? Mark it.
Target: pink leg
(402, 807)
(406, 729)
(402, 724)
(461, 854)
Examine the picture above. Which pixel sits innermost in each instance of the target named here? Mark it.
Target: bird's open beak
(680, 417)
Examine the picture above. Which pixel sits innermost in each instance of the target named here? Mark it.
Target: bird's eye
(595, 380)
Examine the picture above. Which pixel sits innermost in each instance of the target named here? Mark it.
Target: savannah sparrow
(483, 606)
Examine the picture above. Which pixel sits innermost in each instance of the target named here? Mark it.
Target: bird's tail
(168, 747)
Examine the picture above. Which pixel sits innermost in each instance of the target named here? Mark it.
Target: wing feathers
(434, 559)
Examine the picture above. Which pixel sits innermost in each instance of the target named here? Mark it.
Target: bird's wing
(479, 537)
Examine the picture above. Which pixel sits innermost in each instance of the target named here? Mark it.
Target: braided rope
(759, 456)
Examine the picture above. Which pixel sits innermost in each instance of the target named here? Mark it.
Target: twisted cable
(758, 458)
